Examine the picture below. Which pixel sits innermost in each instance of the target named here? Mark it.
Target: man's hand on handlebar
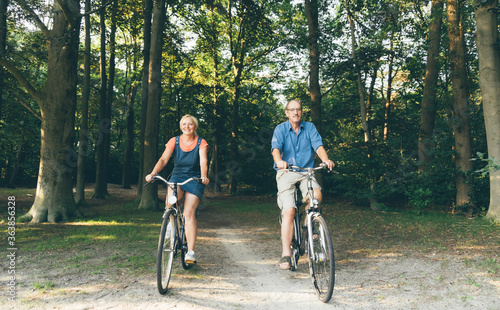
(329, 163)
(282, 165)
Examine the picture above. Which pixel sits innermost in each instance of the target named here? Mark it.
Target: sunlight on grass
(373, 253)
(99, 222)
(92, 237)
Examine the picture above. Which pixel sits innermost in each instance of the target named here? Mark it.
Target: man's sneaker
(190, 257)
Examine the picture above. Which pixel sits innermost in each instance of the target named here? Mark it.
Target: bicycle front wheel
(321, 259)
(166, 250)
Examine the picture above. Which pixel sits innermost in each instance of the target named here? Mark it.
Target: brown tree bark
(83, 143)
(489, 80)
(148, 11)
(149, 197)
(390, 77)
(54, 199)
(428, 109)
(110, 91)
(461, 126)
(214, 169)
(314, 53)
(129, 144)
(3, 42)
(238, 47)
(100, 188)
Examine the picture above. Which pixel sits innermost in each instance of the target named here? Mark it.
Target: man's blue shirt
(296, 148)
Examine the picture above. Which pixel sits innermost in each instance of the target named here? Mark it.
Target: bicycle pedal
(190, 262)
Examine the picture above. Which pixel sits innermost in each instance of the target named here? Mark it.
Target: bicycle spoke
(166, 249)
(321, 260)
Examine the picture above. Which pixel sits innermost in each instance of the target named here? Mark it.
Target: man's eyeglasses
(294, 110)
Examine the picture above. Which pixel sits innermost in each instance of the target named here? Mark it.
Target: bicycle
(314, 238)
(171, 241)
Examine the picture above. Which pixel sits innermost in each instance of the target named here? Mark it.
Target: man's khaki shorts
(286, 186)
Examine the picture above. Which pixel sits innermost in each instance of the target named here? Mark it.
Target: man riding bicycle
(294, 142)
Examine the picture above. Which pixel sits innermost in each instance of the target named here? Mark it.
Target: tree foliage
(234, 63)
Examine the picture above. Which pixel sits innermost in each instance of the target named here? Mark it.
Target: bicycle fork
(316, 256)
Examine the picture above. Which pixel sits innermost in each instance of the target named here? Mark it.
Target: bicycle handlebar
(295, 168)
(159, 177)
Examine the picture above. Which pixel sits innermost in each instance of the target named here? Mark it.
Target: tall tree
(390, 78)
(83, 143)
(3, 41)
(314, 56)
(361, 88)
(129, 144)
(110, 95)
(54, 199)
(148, 11)
(250, 39)
(212, 36)
(487, 42)
(428, 109)
(374, 205)
(461, 126)
(100, 188)
(239, 48)
(149, 197)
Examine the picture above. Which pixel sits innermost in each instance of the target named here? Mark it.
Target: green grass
(43, 286)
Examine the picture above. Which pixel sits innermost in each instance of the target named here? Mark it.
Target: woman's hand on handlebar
(149, 177)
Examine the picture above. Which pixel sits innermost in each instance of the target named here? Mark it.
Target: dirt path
(238, 269)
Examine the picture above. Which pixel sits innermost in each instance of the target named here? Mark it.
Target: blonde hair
(195, 121)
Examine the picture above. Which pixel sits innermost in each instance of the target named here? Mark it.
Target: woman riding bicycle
(190, 160)
(295, 142)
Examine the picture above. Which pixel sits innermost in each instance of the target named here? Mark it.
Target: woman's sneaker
(190, 257)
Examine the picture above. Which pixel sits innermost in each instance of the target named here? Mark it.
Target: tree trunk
(100, 189)
(428, 109)
(54, 195)
(148, 9)
(233, 180)
(238, 49)
(371, 92)
(3, 42)
(461, 125)
(214, 168)
(129, 145)
(17, 160)
(83, 145)
(110, 93)
(149, 197)
(361, 89)
(314, 87)
(388, 98)
(487, 42)
(374, 205)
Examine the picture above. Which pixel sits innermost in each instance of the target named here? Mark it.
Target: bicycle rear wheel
(321, 259)
(166, 250)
